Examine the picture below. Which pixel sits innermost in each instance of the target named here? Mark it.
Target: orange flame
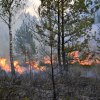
(87, 61)
(3, 65)
(47, 60)
(19, 69)
(75, 58)
(35, 66)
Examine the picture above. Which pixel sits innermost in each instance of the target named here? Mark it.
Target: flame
(97, 61)
(75, 58)
(47, 60)
(88, 61)
(35, 66)
(3, 65)
(19, 69)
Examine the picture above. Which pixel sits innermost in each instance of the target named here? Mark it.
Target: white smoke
(3, 40)
(97, 17)
(95, 33)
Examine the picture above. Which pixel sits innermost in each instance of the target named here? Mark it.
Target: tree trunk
(59, 42)
(30, 67)
(11, 47)
(51, 45)
(63, 42)
(53, 81)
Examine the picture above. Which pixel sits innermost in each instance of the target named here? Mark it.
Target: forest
(52, 51)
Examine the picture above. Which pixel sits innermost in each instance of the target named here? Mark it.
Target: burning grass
(88, 61)
(20, 69)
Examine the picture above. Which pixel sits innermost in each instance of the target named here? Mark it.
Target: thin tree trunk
(51, 45)
(30, 68)
(53, 81)
(63, 46)
(59, 35)
(11, 47)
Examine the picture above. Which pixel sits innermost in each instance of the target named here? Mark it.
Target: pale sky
(32, 7)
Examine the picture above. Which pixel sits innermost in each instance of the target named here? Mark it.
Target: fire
(19, 69)
(75, 56)
(97, 61)
(35, 66)
(88, 61)
(3, 65)
(2, 62)
(47, 60)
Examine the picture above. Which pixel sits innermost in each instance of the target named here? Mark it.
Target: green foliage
(80, 5)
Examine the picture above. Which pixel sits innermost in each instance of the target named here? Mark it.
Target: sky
(33, 5)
